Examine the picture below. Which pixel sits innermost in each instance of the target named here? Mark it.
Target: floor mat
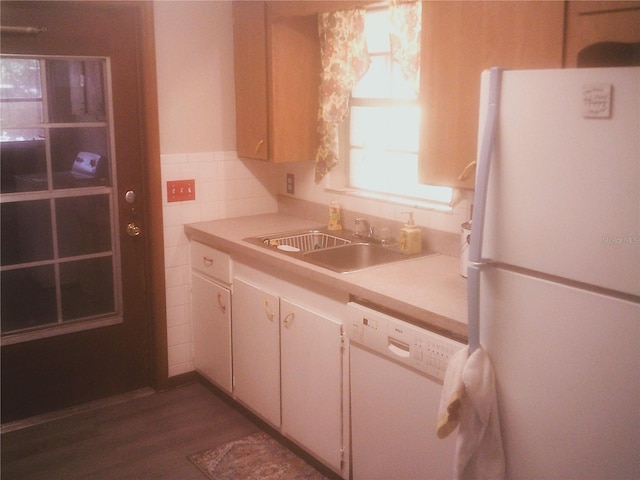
(255, 457)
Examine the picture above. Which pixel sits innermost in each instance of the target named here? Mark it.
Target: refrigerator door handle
(476, 261)
(473, 304)
(484, 162)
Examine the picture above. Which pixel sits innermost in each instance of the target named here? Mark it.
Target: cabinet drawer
(211, 262)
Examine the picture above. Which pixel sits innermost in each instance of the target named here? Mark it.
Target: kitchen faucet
(364, 230)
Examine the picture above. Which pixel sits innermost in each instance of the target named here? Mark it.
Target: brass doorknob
(133, 230)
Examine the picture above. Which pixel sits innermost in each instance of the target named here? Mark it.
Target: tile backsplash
(225, 187)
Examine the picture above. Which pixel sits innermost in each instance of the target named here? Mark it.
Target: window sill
(412, 202)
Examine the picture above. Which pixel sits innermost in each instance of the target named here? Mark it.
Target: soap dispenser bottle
(410, 237)
(335, 223)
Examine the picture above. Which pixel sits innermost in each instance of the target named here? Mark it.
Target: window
(21, 98)
(59, 266)
(381, 137)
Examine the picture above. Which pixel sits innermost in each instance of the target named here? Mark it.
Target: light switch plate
(181, 190)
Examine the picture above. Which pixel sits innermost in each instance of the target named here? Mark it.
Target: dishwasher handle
(397, 347)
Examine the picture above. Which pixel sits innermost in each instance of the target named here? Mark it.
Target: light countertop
(427, 289)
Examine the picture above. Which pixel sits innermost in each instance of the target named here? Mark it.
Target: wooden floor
(144, 438)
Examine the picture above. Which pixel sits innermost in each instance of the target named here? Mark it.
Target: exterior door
(75, 294)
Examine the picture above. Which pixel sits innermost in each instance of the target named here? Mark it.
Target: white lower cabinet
(256, 350)
(211, 315)
(288, 363)
(311, 374)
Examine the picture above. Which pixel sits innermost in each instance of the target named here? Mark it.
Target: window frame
(429, 196)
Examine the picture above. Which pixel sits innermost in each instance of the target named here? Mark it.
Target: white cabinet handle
(267, 311)
(207, 261)
(467, 169)
(289, 318)
(221, 306)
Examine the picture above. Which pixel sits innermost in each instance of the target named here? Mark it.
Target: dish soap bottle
(334, 217)
(410, 237)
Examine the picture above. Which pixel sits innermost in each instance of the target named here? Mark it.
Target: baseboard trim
(180, 380)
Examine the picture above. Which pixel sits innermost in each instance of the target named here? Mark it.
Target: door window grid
(81, 264)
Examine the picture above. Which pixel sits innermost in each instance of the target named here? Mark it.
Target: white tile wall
(307, 189)
(225, 187)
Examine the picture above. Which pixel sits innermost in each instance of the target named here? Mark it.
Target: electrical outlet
(291, 183)
(181, 190)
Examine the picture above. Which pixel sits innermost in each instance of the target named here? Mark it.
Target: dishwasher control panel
(416, 347)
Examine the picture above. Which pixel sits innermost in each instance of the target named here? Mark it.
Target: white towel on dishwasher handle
(452, 394)
(469, 402)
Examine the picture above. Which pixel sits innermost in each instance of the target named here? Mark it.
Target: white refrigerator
(554, 276)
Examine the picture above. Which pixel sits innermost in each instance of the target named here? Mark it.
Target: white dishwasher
(396, 375)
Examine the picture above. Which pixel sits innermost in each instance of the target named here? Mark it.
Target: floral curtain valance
(345, 59)
(405, 21)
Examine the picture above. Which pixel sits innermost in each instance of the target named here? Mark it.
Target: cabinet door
(211, 314)
(277, 77)
(311, 348)
(256, 350)
(459, 41)
(250, 68)
(294, 55)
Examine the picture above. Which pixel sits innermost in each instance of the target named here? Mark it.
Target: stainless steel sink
(353, 257)
(340, 252)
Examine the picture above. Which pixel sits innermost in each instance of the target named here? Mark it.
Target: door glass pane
(23, 163)
(28, 298)
(87, 288)
(22, 150)
(76, 91)
(26, 234)
(23, 112)
(79, 157)
(84, 225)
(20, 90)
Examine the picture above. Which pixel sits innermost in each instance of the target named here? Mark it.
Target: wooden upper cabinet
(604, 21)
(460, 39)
(250, 69)
(277, 74)
(294, 82)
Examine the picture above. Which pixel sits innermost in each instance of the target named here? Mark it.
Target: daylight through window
(383, 129)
